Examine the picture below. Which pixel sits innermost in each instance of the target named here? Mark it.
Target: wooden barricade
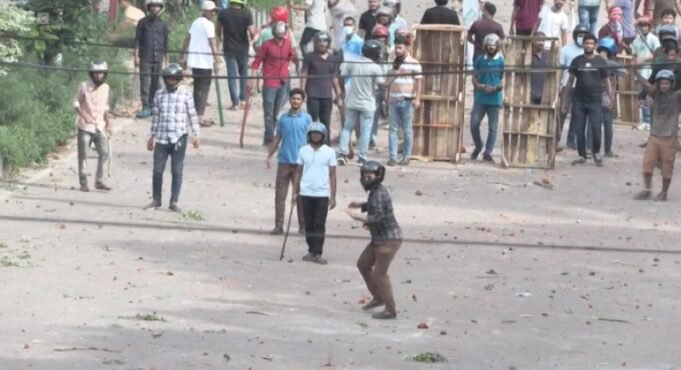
(439, 122)
(627, 110)
(529, 129)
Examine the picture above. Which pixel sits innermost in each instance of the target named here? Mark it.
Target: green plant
(193, 215)
(428, 357)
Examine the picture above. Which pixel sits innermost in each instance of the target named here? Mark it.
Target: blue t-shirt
(493, 77)
(292, 129)
(353, 47)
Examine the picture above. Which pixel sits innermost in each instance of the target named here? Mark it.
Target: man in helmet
(567, 54)
(664, 128)
(236, 30)
(275, 57)
(173, 111)
(396, 6)
(151, 53)
(488, 77)
(440, 14)
(318, 66)
(315, 184)
(361, 99)
(588, 75)
(670, 61)
(203, 57)
(403, 96)
(315, 19)
(607, 49)
(291, 134)
(367, 21)
(643, 49)
(279, 14)
(666, 35)
(386, 239)
(483, 27)
(92, 108)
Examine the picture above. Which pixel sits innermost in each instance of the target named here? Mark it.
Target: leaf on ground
(427, 357)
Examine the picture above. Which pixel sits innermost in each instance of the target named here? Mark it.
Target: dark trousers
(308, 35)
(237, 69)
(202, 79)
(150, 73)
(373, 264)
(608, 116)
(560, 122)
(285, 174)
(320, 110)
(583, 114)
(176, 153)
(315, 210)
(523, 32)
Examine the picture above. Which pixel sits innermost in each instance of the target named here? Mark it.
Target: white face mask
(580, 41)
(348, 30)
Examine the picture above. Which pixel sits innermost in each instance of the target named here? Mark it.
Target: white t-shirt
(552, 23)
(643, 50)
(316, 16)
(200, 53)
(316, 165)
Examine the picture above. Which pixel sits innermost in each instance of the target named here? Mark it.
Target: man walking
(290, 136)
(320, 80)
(588, 75)
(567, 54)
(440, 14)
(275, 56)
(315, 183)
(235, 28)
(92, 108)
(203, 57)
(403, 96)
(151, 53)
(483, 27)
(172, 112)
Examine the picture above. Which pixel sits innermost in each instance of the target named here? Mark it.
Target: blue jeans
(588, 16)
(479, 111)
(400, 117)
(272, 101)
(237, 64)
(176, 153)
(377, 114)
(365, 120)
(587, 113)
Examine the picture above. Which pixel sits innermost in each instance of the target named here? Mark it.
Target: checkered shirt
(171, 114)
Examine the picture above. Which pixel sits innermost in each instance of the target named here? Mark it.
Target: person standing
(315, 184)
(203, 57)
(588, 14)
(315, 19)
(628, 27)
(172, 112)
(275, 56)
(588, 75)
(91, 103)
(540, 59)
(643, 48)
(352, 43)
(483, 27)
(361, 99)
(657, 7)
(613, 28)
(340, 11)
(368, 20)
(290, 136)
(403, 95)
(553, 22)
(235, 28)
(440, 14)
(151, 53)
(567, 54)
(320, 80)
(525, 16)
(607, 49)
(386, 239)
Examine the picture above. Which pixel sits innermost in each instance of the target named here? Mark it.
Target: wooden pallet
(627, 111)
(439, 122)
(529, 130)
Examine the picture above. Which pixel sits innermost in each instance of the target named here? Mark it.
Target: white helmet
(491, 39)
(151, 3)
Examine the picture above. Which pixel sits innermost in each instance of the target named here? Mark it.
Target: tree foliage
(12, 21)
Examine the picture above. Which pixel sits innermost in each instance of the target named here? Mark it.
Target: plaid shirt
(171, 113)
(381, 218)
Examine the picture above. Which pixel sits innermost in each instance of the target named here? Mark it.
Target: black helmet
(98, 66)
(320, 37)
(372, 49)
(172, 70)
(375, 168)
(580, 28)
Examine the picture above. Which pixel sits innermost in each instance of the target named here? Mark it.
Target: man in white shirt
(567, 54)
(203, 56)
(316, 19)
(553, 22)
(643, 49)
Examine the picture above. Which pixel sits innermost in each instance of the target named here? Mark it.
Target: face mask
(580, 41)
(348, 30)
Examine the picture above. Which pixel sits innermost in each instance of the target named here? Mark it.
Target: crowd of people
(361, 65)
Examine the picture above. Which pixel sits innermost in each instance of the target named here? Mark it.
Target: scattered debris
(194, 215)
(427, 357)
(491, 272)
(413, 297)
(138, 317)
(523, 294)
(489, 287)
(226, 357)
(408, 281)
(422, 325)
(418, 193)
(74, 349)
(259, 313)
(621, 321)
(443, 332)
(548, 186)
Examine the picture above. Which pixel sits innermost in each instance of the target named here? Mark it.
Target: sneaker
(643, 195)
(391, 163)
(309, 257)
(662, 197)
(476, 153)
(84, 188)
(579, 161)
(598, 160)
(234, 107)
(174, 208)
(404, 162)
(278, 230)
(318, 259)
(154, 204)
(385, 315)
(144, 113)
(342, 160)
(610, 155)
(641, 126)
(487, 158)
(372, 304)
(361, 161)
(101, 186)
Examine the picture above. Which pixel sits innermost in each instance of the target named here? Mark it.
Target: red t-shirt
(528, 14)
(275, 61)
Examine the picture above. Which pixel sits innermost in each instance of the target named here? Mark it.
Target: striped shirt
(380, 217)
(171, 114)
(404, 85)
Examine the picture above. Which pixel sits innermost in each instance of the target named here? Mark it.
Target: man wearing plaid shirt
(173, 110)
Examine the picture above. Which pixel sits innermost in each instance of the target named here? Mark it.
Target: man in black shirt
(235, 28)
(440, 14)
(151, 51)
(367, 20)
(588, 75)
(539, 60)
